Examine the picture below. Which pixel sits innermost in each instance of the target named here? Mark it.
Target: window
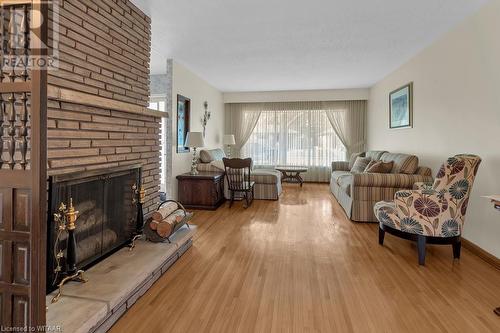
(158, 103)
(295, 138)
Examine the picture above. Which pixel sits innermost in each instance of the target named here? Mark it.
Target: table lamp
(228, 140)
(194, 140)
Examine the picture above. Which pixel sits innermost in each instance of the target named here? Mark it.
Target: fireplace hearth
(107, 206)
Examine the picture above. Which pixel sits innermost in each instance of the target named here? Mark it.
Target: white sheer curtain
(348, 121)
(295, 134)
(309, 134)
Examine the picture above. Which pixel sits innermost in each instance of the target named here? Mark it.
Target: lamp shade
(194, 139)
(228, 139)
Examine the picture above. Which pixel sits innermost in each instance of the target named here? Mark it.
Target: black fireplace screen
(107, 215)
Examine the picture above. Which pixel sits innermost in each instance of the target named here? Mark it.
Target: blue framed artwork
(183, 115)
(401, 107)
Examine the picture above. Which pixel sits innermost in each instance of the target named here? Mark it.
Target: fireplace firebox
(107, 204)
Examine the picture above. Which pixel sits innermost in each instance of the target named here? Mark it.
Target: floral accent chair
(432, 214)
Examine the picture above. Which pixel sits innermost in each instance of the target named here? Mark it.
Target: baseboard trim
(486, 256)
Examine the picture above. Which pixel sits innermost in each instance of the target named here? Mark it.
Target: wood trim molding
(486, 256)
(16, 2)
(15, 87)
(73, 96)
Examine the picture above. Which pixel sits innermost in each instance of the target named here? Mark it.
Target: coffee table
(292, 174)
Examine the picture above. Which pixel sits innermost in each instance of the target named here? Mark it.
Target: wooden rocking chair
(238, 178)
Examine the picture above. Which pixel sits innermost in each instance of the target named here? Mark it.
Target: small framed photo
(401, 107)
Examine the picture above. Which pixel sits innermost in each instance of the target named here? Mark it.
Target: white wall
(188, 84)
(456, 110)
(297, 96)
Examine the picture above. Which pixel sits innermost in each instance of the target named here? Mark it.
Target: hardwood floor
(299, 265)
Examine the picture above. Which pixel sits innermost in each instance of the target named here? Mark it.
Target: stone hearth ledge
(115, 284)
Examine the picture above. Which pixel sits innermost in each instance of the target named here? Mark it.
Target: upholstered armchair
(432, 214)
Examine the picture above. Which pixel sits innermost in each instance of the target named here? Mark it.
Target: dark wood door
(23, 100)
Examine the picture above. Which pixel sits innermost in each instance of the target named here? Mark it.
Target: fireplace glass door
(107, 215)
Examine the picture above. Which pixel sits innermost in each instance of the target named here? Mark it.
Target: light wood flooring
(299, 265)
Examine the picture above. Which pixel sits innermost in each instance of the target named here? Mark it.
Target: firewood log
(85, 206)
(164, 211)
(153, 224)
(176, 216)
(165, 228)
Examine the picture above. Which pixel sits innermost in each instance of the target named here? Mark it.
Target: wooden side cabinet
(202, 191)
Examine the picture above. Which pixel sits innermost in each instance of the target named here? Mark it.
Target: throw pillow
(403, 163)
(207, 156)
(372, 162)
(360, 164)
(380, 167)
(353, 159)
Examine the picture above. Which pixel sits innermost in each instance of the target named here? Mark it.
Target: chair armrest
(393, 180)
(430, 213)
(422, 186)
(340, 166)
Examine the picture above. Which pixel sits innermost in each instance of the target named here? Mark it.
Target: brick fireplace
(97, 115)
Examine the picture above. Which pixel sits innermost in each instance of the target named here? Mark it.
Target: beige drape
(348, 120)
(310, 134)
(240, 121)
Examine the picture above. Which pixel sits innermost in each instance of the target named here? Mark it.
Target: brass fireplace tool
(66, 219)
(141, 194)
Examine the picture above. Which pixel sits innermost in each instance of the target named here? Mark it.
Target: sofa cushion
(403, 163)
(345, 184)
(209, 155)
(353, 158)
(380, 167)
(360, 164)
(338, 174)
(343, 179)
(375, 154)
(265, 176)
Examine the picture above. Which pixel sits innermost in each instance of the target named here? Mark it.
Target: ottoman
(267, 184)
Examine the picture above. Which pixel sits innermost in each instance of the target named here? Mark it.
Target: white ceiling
(266, 45)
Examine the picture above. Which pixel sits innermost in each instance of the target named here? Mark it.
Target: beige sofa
(357, 193)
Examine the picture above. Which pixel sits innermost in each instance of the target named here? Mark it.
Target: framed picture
(401, 107)
(183, 116)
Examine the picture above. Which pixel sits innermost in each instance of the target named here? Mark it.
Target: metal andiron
(65, 219)
(141, 195)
